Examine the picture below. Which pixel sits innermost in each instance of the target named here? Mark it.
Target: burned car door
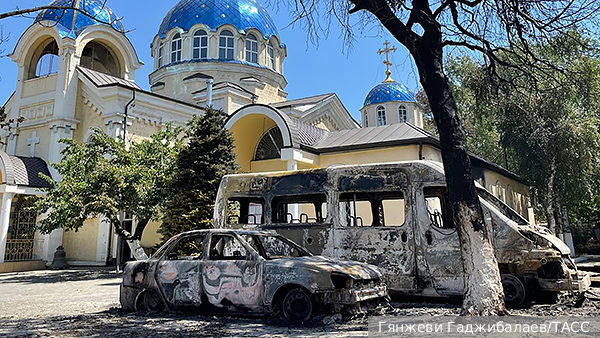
(232, 275)
(178, 272)
(438, 239)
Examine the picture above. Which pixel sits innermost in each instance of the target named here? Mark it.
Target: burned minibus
(395, 216)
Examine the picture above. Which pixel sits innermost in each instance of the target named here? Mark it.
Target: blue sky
(309, 69)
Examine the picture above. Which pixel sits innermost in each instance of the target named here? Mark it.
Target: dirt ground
(84, 303)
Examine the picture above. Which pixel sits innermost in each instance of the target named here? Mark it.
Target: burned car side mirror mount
(172, 256)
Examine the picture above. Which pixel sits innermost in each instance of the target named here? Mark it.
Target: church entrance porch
(24, 245)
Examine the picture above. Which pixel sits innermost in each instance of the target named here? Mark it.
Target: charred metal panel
(236, 284)
(303, 183)
(179, 281)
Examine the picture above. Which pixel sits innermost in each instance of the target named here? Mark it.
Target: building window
(251, 49)
(176, 48)
(226, 45)
(200, 47)
(381, 118)
(366, 118)
(402, 114)
(161, 52)
(270, 145)
(96, 56)
(270, 56)
(499, 191)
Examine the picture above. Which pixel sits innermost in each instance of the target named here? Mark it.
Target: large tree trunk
(483, 289)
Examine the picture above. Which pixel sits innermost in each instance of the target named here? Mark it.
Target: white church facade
(76, 73)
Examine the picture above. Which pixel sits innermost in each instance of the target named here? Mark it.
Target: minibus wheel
(514, 290)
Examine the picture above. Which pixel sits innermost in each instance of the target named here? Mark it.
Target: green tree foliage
(200, 165)
(548, 122)
(103, 177)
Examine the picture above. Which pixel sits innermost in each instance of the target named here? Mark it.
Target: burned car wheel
(297, 305)
(514, 290)
(153, 302)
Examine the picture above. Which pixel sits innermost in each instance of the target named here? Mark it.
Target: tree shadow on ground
(119, 323)
(70, 275)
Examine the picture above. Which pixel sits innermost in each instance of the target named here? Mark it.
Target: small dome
(71, 22)
(388, 91)
(242, 14)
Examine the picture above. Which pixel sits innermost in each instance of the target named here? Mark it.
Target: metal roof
(24, 171)
(71, 23)
(241, 14)
(370, 137)
(303, 101)
(388, 92)
(104, 80)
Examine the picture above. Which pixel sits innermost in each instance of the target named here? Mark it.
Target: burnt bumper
(579, 282)
(353, 296)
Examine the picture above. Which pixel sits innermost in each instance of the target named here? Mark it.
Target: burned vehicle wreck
(246, 272)
(396, 216)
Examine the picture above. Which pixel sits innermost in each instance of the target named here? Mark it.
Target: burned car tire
(297, 306)
(515, 291)
(153, 302)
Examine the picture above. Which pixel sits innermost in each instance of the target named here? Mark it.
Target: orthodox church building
(76, 71)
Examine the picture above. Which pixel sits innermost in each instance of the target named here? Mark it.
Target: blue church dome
(242, 14)
(389, 91)
(71, 22)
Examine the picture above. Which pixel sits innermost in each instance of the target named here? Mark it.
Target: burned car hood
(356, 270)
(548, 238)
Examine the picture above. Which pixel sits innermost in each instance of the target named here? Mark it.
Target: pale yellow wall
(39, 85)
(246, 133)
(88, 118)
(520, 192)
(82, 245)
(431, 153)
(42, 148)
(381, 155)
(139, 130)
(151, 237)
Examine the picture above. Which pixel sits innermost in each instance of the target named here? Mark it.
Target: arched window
(510, 197)
(226, 45)
(381, 117)
(366, 118)
(499, 191)
(200, 47)
(45, 61)
(176, 48)
(97, 57)
(161, 55)
(251, 49)
(269, 146)
(271, 56)
(402, 114)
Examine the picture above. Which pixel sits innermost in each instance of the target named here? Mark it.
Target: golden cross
(387, 50)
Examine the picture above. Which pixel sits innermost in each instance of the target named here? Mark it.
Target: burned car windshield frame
(263, 253)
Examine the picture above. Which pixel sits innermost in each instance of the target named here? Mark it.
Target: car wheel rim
(153, 302)
(298, 306)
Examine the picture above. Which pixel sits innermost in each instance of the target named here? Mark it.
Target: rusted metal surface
(237, 272)
(420, 256)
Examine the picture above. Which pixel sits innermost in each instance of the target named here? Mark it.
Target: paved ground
(84, 303)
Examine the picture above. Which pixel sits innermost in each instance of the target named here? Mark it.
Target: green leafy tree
(549, 122)
(205, 159)
(103, 178)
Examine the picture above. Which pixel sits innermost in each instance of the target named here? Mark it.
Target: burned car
(396, 216)
(246, 272)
